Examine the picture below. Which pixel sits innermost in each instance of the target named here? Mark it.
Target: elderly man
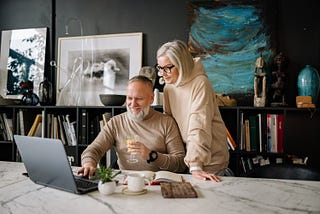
(159, 145)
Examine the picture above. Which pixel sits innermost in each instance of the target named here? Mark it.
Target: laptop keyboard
(85, 184)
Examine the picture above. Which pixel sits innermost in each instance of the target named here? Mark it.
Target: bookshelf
(299, 137)
(299, 142)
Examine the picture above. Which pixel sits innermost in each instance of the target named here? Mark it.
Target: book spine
(243, 165)
(274, 133)
(49, 125)
(38, 133)
(269, 144)
(84, 127)
(21, 122)
(253, 133)
(67, 131)
(72, 131)
(35, 125)
(231, 142)
(8, 126)
(55, 128)
(3, 134)
(61, 130)
(44, 123)
(260, 133)
(280, 133)
(242, 132)
(247, 134)
(52, 126)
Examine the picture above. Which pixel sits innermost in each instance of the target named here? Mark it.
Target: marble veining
(18, 194)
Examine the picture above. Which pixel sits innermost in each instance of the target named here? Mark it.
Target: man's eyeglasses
(165, 69)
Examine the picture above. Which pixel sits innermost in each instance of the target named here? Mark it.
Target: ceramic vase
(30, 98)
(309, 83)
(107, 188)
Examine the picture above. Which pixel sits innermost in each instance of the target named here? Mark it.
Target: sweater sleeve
(199, 139)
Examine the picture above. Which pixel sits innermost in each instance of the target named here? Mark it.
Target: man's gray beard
(140, 116)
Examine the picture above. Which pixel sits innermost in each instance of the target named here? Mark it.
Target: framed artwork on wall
(93, 65)
(22, 60)
(229, 36)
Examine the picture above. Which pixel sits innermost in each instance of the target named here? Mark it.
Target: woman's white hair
(178, 53)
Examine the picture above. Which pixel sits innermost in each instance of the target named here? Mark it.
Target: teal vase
(309, 83)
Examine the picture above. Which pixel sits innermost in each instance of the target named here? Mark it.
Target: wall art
(229, 36)
(22, 60)
(93, 65)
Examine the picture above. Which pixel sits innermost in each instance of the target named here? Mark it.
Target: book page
(166, 176)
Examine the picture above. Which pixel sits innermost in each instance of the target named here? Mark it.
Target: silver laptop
(47, 164)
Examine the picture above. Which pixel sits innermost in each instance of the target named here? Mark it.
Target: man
(159, 145)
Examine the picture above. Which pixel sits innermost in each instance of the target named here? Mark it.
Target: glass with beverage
(132, 158)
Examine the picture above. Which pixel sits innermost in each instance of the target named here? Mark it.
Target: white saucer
(128, 192)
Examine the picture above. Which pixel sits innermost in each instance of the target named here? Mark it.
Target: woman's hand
(202, 175)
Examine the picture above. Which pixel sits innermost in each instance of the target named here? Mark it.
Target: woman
(190, 99)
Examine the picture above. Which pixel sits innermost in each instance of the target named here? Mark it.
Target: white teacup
(136, 182)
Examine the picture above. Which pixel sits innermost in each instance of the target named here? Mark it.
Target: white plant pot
(107, 188)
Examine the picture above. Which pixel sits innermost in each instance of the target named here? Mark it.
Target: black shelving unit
(300, 134)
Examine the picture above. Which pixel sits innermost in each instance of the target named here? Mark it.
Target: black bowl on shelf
(112, 99)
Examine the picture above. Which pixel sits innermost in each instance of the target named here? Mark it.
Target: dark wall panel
(298, 30)
(160, 21)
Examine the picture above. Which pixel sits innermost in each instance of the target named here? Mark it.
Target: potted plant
(106, 183)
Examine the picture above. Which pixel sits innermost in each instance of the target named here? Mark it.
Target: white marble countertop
(18, 194)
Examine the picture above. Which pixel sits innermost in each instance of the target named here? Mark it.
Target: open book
(162, 176)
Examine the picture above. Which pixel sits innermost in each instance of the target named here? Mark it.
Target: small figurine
(278, 81)
(149, 72)
(260, 82)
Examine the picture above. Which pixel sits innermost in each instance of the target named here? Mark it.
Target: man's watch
(153, 155)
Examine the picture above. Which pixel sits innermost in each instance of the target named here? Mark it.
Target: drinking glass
(132, 158)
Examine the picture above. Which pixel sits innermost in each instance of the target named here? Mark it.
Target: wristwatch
(153, 155)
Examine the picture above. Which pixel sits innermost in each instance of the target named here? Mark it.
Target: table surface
(18, 194)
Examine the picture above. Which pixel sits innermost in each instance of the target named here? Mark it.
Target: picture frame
(22, 59)
(93, 65)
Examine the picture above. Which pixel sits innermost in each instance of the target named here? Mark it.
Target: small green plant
(105, 174)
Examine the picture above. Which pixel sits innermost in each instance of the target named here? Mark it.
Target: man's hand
(139, 149)
(88, 169)
(202, 175)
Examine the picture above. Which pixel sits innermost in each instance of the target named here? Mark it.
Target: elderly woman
(190, 99)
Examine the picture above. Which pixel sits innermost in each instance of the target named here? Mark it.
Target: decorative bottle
(309, 83)
(45, 92)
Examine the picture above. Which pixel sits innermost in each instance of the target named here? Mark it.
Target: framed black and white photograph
(22, 60)
(93, 65)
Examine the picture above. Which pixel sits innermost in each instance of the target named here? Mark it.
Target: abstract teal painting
(229, 37)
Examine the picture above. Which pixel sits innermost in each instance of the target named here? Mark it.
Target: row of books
(6, 128)
(60, 126)
(56, 126)
(251, 133)
(253, 129)
(91, 125)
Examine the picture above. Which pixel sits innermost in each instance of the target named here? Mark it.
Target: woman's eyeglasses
(165, 69)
